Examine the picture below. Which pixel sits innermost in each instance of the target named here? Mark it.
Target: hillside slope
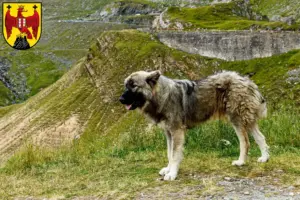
(284, 10)
(84, 104)
(83, 98)
(66, 37)
(235, 15)
(74, 139)
(86, 98)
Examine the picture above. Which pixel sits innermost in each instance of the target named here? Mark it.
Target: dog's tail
(262, 113)
(260, 101)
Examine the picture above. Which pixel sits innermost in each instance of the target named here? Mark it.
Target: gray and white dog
(177, 105)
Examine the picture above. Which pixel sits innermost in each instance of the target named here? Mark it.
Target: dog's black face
(132, 100)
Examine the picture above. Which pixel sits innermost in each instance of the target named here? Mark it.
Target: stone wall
(232, 45)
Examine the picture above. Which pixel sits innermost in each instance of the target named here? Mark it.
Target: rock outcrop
(5, 65)
(127, 12)
(232, 45)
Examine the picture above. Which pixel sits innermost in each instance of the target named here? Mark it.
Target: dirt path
(12, 131)
(208, 188)
(224, 188)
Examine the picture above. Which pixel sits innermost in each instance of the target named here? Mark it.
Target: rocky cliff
(232, 45)
(141, 13)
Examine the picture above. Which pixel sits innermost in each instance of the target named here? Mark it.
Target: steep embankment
(24, 73)
(67, 32)
(85, 100)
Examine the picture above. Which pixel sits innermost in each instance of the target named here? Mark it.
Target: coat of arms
(22, 24)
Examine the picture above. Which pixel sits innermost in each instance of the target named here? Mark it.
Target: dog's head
(139, 89)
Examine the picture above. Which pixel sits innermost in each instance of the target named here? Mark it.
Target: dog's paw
(238, 163)
(263, 159)
(164, 171)
(170, 176)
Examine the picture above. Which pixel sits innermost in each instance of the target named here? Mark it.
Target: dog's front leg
(176, 153)
(166, 170)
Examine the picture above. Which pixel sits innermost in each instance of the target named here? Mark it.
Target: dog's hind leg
(166, 170)
(244, 145)
(177, 142)
(261, 141)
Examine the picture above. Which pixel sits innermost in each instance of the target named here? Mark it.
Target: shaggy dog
(177, 105)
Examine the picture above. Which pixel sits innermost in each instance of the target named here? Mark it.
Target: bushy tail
(263, 109)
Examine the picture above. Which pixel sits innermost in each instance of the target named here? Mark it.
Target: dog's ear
(153, 77)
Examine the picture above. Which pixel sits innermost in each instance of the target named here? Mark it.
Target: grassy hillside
(282, 8)
(67, 34)
(69, 9)
(7, 96)
(118, 155)
(61, 45)
(235, 15)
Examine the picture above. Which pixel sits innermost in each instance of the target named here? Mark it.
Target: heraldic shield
(22, 24)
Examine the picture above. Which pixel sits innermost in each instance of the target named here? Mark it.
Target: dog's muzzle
(127, 99)
(132, 100)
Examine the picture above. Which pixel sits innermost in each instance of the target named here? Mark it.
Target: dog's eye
(132, 84)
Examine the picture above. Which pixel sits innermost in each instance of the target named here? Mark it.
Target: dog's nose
(121, 99)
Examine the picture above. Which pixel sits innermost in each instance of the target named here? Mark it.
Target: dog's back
(239, 97)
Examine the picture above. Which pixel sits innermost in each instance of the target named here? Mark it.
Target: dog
(177, 105)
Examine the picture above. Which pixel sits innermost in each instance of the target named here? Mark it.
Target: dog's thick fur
(176, 105)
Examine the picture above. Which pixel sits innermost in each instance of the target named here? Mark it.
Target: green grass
(221, 17)
(281, 8)
(7, 109)
(116, 157)
(131, 165)
(6, 96)
(39, 71)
